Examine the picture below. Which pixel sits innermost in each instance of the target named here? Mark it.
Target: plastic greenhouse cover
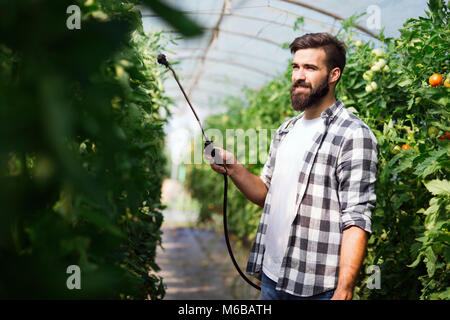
(242, 46)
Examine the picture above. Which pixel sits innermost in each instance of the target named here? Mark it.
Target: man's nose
(298, 74)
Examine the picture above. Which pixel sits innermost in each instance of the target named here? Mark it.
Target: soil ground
(194, 262)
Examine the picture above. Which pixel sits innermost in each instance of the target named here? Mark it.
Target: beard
(303, 100)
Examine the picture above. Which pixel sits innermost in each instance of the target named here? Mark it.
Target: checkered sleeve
(356, 173)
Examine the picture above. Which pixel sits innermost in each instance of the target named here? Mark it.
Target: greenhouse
(140, 139)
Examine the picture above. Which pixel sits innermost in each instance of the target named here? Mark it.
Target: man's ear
(334, 75)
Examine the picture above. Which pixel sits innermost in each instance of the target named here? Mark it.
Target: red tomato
(435, 80)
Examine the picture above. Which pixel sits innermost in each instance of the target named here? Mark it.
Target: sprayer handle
(210, 146)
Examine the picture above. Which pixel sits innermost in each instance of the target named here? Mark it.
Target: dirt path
(186, 269)
(195, 264)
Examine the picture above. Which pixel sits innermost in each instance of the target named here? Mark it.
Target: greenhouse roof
(242, 43)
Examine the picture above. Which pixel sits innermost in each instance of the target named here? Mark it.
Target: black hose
(208, 143)
(225, 231)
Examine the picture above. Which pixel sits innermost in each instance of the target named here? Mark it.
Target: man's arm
(353, 249)
(249, 184)
(356, 173)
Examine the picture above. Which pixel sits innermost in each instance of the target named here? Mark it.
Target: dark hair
(334, 49)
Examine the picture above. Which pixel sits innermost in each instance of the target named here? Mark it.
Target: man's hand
(353, 248)
(223, 161)
(342, 294)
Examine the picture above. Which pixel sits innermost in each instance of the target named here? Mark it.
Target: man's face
(309, 78)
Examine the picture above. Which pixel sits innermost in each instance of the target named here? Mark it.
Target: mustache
(301, 83)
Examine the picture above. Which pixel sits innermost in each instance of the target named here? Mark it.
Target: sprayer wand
(162, 60)
(209, 144)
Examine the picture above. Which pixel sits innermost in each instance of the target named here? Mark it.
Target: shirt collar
(328, 114)
(333, 110)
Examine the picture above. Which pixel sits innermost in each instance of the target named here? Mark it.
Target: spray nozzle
(162, 60)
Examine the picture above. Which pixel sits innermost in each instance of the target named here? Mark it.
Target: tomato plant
(81, 152)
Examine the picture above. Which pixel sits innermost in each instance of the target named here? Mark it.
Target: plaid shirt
(336, 190)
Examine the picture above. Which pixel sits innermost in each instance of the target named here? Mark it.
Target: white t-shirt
(284, 182)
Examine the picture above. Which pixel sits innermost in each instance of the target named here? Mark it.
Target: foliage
(388, 88)
(182, 23)
(81, 152)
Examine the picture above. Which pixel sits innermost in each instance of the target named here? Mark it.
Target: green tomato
(396, 150)
(386, 68)
(377, 52)
(368, 75)
(375, 68)
(358, 43)
(433, 131)
(369, 88)
(82, 147)
(381, 63)
(374, 85)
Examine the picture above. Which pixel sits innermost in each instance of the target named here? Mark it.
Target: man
(317, 188)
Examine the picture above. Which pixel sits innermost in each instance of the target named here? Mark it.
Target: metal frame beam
(246, 35)
(305, 5)
(203, 89)
(232, 15)
(240, 65)
(199, 103)
(224, 79)
(294, 2)
(214, 36)
(229, 52)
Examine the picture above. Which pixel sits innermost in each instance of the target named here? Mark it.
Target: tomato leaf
(431, 164)
(437, 187)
